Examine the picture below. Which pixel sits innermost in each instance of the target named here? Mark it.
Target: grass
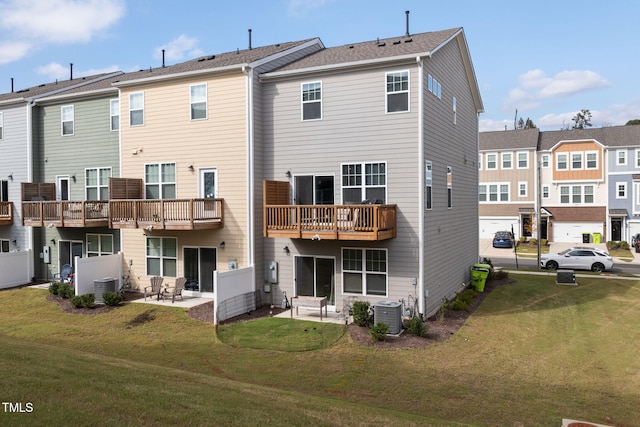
(532, 354)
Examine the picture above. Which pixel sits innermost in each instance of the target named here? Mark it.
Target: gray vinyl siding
(93, 145)
(14, 161)
(354, 128)
(450, 234)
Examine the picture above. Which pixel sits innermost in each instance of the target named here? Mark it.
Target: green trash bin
(479, 274)
(597, 237)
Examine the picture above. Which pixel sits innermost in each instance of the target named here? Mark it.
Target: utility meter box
(272, 274)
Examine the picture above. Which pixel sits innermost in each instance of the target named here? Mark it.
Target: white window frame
(526, 160)
(545, 192)
(99, 186)
(498, 193)
(482, 189)
(579, 192)
(133, 110)
(161, 256)
(503, 160)
(1, 125)
(545, 161)
(480, 161)
(621, 157)
(197, 99)
(395, 91)
(101, 251)
(114, 111)
(637, 153)
(363, 186)
(495, 155)
(621, 186)
(522, 189)
(365, 264)
(428, 181)
(581, 156)
(566, 161)
(161, 183)
(449, 187)
(67, 115)
(454, 107)
(586, 160)
(310, 90)
(430, 83)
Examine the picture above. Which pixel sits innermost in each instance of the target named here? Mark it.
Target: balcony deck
(6, 213)
(331, 222)
(175, 214)
(66, 213)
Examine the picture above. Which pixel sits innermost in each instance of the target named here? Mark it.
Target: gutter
(421, 180)
(248, 72)
(169, 76)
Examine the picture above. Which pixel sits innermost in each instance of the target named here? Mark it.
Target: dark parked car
(635, 242)
(503, 239)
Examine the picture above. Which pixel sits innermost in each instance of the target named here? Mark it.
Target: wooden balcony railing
(66, 213)
(178, 214)
(6, 213)
(316, 222)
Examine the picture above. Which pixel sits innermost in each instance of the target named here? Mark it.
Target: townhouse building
(370, 171)
(508, 181)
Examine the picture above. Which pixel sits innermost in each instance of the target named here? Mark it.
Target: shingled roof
(394, 47)
(509, 139)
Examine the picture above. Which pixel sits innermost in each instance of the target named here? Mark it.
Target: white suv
(578, 258)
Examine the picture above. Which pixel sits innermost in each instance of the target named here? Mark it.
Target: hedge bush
(111, 298)
(379, 331)
(361, 315)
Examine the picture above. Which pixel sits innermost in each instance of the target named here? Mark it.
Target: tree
(582, 120)
(528, 124)
(633, 122)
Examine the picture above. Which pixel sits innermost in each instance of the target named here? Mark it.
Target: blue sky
(545, 59)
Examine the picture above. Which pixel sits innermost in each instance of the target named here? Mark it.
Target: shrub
(416, 327)
(76, 301)
(533, 241)
(486, 261)
(65, 290)
(361, 315)
(111, 298)
(88, 300)
(544, 242)
(459, 304)
(502, 274)
(379, 331)
(522, 239)
(53, 288)
(624, 245)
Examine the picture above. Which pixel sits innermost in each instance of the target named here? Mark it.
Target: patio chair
(155, 288)
(175, 291)
(65, 274)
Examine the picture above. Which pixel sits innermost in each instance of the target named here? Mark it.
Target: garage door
(489, 226)
(634, 228)
(571, 232)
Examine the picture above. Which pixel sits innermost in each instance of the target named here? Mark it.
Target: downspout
(30, 242)
(250, 171)
(421, 178)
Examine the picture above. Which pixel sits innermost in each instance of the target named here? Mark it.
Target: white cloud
(535, 86)
(13, 51)
(178, 48)
(59, 21)
(55, 71)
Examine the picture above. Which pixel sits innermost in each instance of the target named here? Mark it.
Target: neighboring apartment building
(191, 158)
(17, 162)
(508, 182)
(370, 171)
(75, 152)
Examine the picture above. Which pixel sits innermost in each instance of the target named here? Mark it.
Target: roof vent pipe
(407, 13)
(162, 58)
(249, 38)
(11, 84)
(71, 71)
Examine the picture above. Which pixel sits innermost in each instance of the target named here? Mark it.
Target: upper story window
(66, 115)
(114, 114)
(545, 160)
(576, 160)
(4, 191)
(364, 181)
(449, 187)
(480, 161)
(621, 190)
(522, 189)
(492, 161)
(1, 125)
(576, 194)
(97, 183)
(428, 178)
(398, 92)
(637, 158)
(136, 109)
(561, 161)
(493, 192)
(545, 191)
(198, 101)
(621, 157)
(591, 161)
(523, 160)
(455, 114)
(312, 101)
(160, 181)
(507, 160)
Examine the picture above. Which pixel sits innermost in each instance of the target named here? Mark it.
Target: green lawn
(534, 353)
